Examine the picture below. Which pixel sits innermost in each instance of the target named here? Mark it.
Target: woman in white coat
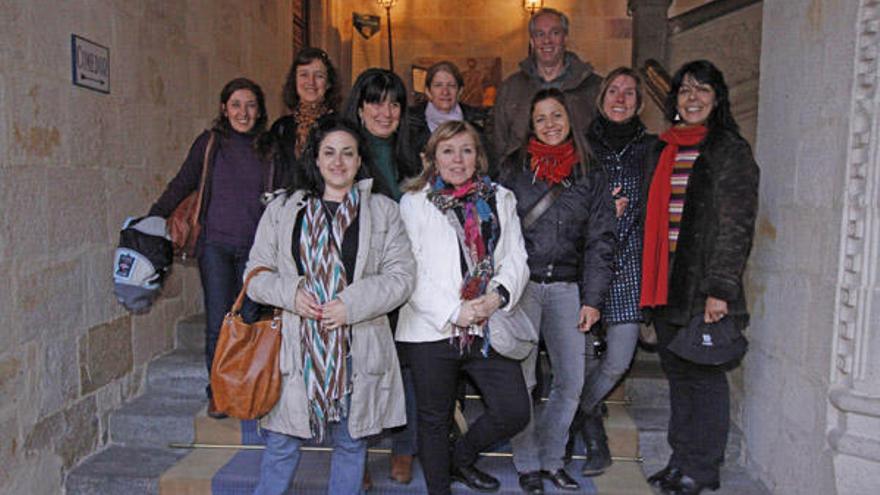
(340, 260)
(471, 262)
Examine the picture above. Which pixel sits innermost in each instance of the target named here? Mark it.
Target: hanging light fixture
(387, 4)
(532, 6)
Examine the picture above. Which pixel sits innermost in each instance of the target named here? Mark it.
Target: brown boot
(367, 482)
(401, 468)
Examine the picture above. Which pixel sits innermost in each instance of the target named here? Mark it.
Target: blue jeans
(221, 267)
(603, 374)
(554, 309)
(282, 455)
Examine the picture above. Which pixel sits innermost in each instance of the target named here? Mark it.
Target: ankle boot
(598, 454)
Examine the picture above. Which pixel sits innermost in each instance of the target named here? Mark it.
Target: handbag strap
(542, 205)
(236, 306)
(198, 209)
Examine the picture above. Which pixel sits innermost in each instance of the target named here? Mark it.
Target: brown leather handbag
(245, 375)
(183, 224)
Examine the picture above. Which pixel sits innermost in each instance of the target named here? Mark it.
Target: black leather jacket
(574, 240)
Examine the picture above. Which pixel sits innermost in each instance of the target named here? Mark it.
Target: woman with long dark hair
(699, 226)
(568, 221)
(339, 261)
(377, 101)
(310, 92)
(237, 176)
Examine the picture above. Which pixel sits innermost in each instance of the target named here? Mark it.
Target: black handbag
(713, 344)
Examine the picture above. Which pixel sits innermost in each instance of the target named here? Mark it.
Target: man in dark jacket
(549, 65)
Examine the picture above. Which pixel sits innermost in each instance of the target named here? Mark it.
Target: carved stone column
(855, 383)
(649, 30)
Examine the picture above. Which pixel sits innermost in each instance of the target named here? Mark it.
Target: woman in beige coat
(340, 260)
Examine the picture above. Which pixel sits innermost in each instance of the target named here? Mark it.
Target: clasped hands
(477, 311)
(331, 314)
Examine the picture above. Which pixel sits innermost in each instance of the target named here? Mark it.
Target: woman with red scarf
(699, 226)
(569, 226)
(471, 263)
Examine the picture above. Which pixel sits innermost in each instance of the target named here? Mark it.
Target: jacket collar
(574, 72)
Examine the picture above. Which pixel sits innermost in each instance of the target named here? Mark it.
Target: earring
(677, 117)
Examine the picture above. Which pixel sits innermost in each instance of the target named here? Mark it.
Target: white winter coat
(425, 317)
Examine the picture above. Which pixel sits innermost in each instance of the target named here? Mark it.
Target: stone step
(228, 471)
(122, 470)
(646, 385)
(155, 420)
(179, 373)
(623, 439)
(190, 334)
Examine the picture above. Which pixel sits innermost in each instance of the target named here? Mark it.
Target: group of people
(400, 241)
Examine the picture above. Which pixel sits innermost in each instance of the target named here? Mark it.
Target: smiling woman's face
(456, 159)
(696, 101)
(550, 121)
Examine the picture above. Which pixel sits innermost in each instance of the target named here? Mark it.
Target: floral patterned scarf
(477, 235)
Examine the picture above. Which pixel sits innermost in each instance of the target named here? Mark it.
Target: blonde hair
(445, 132)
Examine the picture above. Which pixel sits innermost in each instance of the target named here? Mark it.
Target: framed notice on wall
(90, 64)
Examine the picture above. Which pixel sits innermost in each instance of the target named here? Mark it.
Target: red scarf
(655, 255)
(552, 163)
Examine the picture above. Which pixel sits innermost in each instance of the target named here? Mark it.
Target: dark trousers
(435, 368)
(221, 267)
(700, 418)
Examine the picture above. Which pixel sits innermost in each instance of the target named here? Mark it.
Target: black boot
(598, 455)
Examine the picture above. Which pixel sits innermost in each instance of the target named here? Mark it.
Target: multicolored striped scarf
(655, 253)
(477, 237)
(325, 352)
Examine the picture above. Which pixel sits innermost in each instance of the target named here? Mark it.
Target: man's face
(548, 40)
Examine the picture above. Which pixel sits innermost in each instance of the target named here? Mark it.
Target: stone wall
(805, 140)
(600, 33)
(73, 164)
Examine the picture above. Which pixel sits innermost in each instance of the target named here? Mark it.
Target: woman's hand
(305, 305)
(587, 318)
(486, 305)
(715, 310)
(467, 314)
(620, 202)
(334, 315)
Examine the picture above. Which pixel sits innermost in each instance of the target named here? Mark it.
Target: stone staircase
(141, 429)
(138, 459)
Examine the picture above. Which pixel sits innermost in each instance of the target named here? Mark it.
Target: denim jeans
(221, 267)
(282, 455)
(554, 309)
(603, 374)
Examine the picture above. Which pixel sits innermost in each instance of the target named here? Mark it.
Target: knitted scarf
(655, 254)
(305, 115)
(325, 352)
(552, 163)
(477, 235)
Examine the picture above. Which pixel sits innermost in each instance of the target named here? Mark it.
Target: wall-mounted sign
(365, 24)
(91, 64)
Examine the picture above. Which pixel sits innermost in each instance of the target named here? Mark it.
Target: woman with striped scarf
(340, 260)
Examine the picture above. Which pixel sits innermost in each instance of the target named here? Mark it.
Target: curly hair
(304, 57)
